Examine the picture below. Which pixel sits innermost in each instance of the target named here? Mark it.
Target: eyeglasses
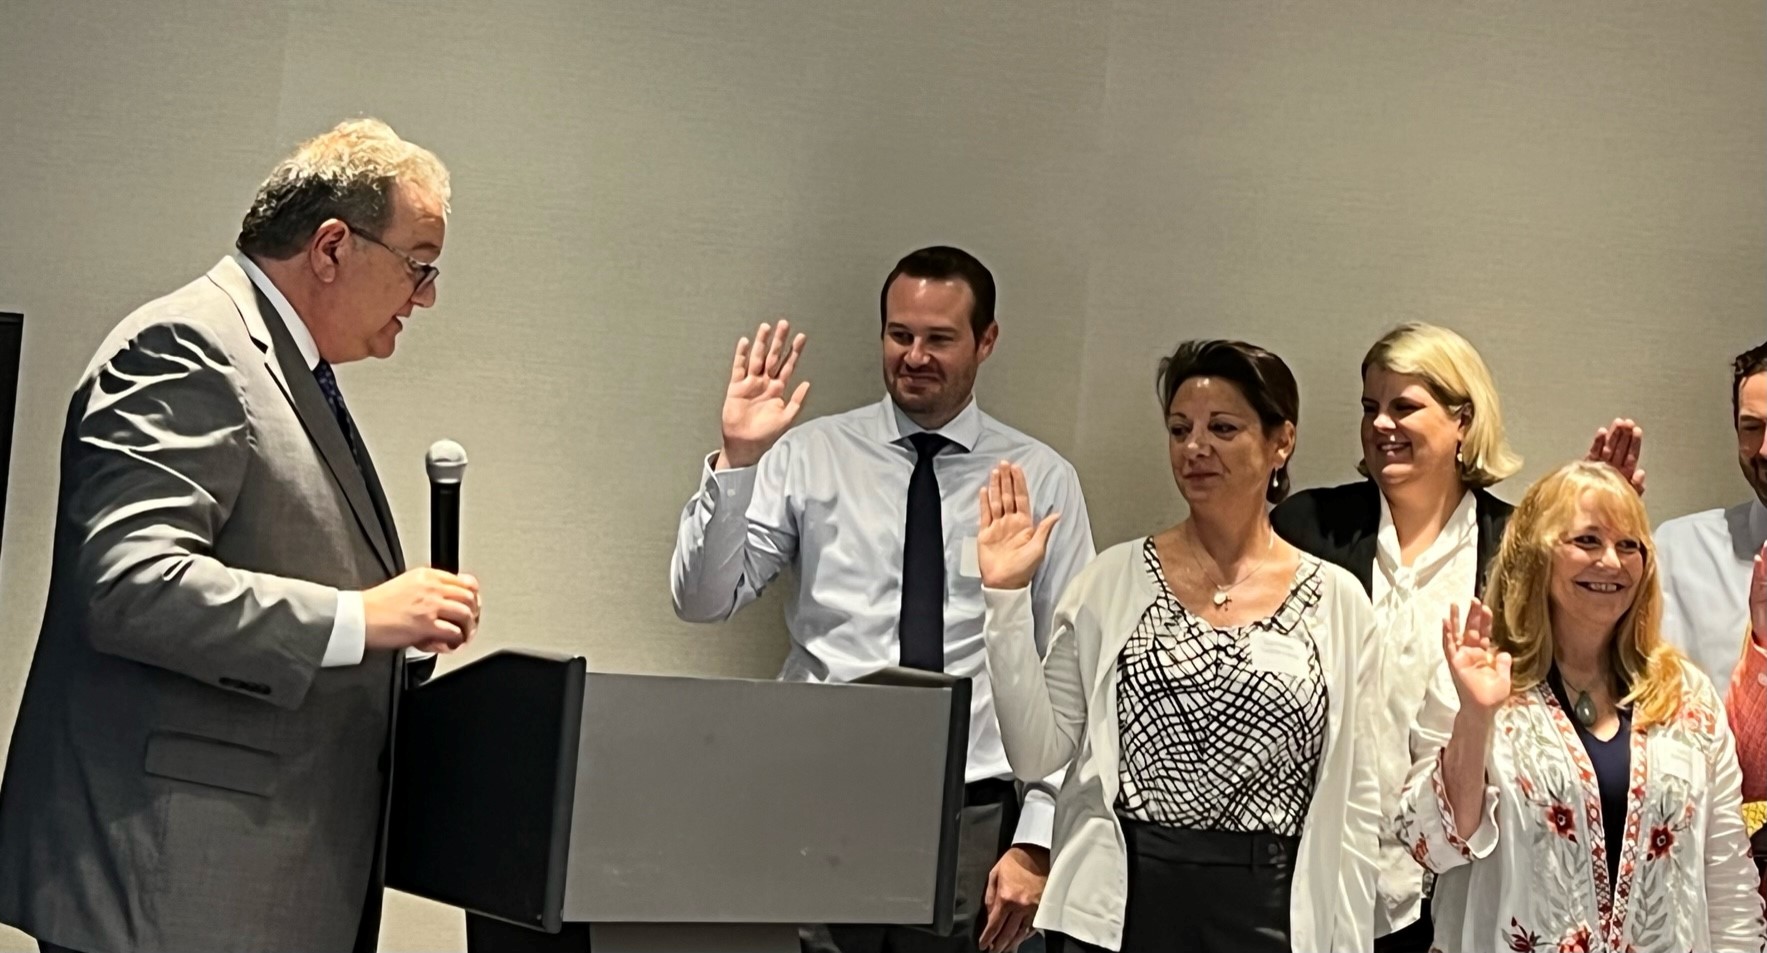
(426, 273)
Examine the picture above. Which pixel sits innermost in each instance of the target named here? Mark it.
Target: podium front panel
(736, 801)
(483, 767)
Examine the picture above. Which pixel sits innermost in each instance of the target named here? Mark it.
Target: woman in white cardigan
(1579, 787)
(1204, 684)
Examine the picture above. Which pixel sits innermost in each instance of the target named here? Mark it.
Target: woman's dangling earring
(1275, 479)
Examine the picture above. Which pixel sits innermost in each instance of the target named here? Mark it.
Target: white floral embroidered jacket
(1534, 875)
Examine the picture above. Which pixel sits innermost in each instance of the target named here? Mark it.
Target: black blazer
(1339, 524)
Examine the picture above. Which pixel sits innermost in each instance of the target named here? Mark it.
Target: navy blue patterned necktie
(921, 629)
(334, 397)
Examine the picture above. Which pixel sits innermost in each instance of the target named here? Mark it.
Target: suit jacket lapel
(1360, 558)
(1490, 534)
(299, 386)
(379, 497)
(1360, 555)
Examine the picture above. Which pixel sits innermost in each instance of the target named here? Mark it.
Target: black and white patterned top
(1208, 742)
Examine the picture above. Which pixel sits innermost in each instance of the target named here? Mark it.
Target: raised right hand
(423, 608)
(1618, 445)
(1011, 543)
(1481, 673)
(756, 411)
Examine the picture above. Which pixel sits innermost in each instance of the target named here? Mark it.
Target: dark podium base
(485, 935)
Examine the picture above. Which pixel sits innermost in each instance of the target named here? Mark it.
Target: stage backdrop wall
(1580, 187)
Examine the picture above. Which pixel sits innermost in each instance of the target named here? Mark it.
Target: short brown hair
(1267, 383)
(946, 263)
(1746, 365)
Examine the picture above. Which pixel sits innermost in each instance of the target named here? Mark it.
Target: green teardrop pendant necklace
(1584, 709)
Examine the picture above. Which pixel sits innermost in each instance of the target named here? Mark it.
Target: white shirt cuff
(1005, 600)
(349, 632)
(1036, 819)
(1484, 839)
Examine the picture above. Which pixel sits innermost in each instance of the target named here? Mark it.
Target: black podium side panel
(11, 345)
(485, 762)
(485, 935)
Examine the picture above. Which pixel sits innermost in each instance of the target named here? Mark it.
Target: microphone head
(446, 462)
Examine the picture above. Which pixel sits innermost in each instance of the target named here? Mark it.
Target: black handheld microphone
(446, 463)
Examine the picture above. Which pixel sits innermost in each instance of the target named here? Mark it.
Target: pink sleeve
(1746, 703)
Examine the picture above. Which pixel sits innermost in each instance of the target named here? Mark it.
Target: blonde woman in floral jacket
(1578, 786)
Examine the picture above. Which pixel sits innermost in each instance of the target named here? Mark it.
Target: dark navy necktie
(921, 629)
(334, 398)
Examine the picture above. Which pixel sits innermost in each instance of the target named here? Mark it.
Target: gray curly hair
(347, 173)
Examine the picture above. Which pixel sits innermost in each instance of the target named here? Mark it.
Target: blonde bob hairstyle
(1459, 380)
(1521, 577)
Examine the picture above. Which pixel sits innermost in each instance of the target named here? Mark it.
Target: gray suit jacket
(183, 774)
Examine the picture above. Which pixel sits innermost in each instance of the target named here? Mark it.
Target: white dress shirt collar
(965, 429)
(297, 328)
(1461, 531)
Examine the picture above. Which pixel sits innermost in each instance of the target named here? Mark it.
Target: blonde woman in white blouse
(1419, 534)
(1578, 787)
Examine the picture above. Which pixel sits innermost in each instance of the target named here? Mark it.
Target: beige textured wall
(1578, 186)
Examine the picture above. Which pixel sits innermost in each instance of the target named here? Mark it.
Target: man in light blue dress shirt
(1706, 557)
(831, 500)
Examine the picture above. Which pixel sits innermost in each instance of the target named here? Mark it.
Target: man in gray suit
(200, 761)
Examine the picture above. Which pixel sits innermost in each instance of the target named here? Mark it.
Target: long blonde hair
(1520, 584)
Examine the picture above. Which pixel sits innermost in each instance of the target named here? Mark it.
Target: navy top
(1612, 760)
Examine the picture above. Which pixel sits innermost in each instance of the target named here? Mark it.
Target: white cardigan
(1064, 708)
(1533, 876)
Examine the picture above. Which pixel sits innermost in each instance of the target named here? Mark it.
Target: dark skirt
(1416, 937)
(1202, 891)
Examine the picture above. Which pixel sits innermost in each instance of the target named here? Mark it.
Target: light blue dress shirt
(829, 502)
